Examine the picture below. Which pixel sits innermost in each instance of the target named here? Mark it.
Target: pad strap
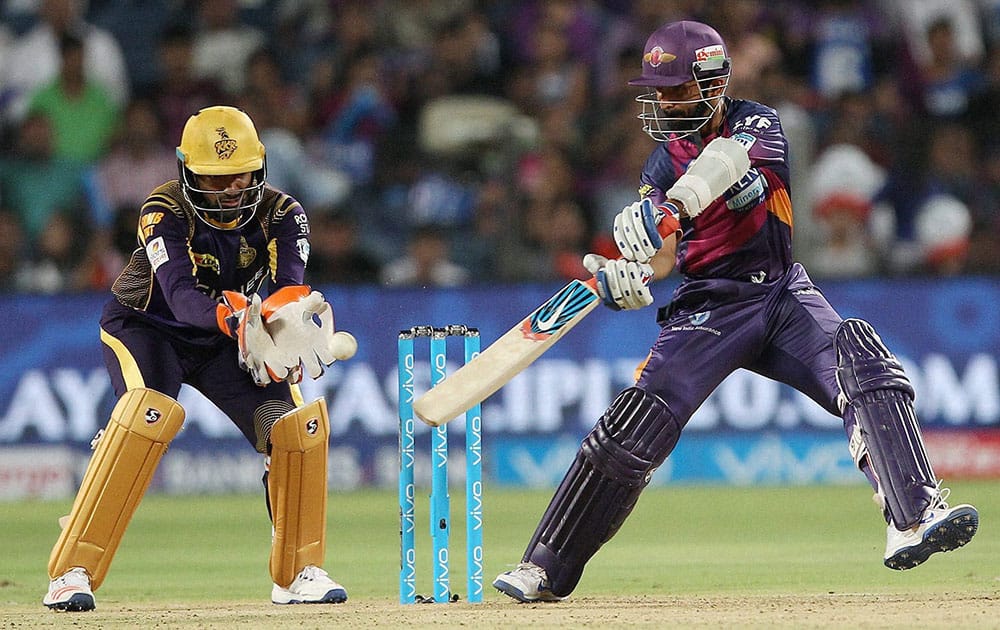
(612, 467)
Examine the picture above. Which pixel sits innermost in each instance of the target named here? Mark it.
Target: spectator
(943, 225)
(223, 45)
(177, 91)
(915, 18)
(137, 25)
(82, 115)
(847, 249)
(337, 255)
(426, 263)
(357, 117)
(54, 264)
(12, 249)
(984, 238)
(33, 59)
(138, 162)
(36, 183)
(948, 82)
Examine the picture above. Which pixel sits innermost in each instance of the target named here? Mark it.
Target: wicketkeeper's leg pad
(879, 400)
(142, 425)
(296, 486)
(612, 467)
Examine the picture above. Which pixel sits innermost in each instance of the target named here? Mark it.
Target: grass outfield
(789, 555)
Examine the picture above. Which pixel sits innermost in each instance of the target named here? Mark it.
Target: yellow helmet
(221, 140)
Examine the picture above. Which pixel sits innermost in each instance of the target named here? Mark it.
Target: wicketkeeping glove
(240, 318)
(621, 283)
(300, 321)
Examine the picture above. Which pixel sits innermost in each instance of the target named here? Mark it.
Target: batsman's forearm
(664, 260)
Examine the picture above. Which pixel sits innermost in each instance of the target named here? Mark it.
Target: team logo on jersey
(302, 245)
(206, 261)
(699, 318)
(247, 254)
(656, 56)
(225, 146)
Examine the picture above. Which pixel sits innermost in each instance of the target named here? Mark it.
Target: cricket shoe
(940, 529)
(526, 583)
(70, 592)
(311, 586)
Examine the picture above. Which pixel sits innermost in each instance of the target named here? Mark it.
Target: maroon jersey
(177, 274)
(742, 235)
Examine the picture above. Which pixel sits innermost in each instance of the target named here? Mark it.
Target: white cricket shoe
(311, 586)
(940, 529)
(70, 592)
(526, 583)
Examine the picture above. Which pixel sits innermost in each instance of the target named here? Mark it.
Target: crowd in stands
(446, 142)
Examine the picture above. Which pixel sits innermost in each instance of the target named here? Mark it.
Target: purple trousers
(783, 330)
(140, 352)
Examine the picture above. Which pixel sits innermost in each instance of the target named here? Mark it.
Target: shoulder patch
(156, 252)
(745, 139)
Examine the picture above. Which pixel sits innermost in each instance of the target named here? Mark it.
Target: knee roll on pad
(613, 465)
(264, 418)
(142, 425)
(296, 488)
(880, 401)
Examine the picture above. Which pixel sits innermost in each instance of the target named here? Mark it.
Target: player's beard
(698, 112)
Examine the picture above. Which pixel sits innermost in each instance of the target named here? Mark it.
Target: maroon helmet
(674, 54)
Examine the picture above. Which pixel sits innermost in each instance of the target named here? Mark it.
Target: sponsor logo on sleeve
(745, 139)
(156, 251)
(148, 221)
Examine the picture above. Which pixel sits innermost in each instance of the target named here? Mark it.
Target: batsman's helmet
(221, 140)
(674, 54)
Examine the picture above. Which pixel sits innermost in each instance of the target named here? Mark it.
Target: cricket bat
(506, 357)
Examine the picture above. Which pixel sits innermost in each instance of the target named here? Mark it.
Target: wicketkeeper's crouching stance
(720, 179)
(186, 310)
(125, 457)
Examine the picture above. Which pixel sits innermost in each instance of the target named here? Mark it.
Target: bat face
(509, 355)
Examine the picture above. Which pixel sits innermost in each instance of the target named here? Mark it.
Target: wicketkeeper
(186, 310)
(719, 181)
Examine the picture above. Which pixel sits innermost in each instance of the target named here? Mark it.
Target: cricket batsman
(186, 309)
(718, 180)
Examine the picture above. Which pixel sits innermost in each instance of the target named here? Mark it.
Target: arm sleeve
(164, 235)
(765, 141)
(288, 244)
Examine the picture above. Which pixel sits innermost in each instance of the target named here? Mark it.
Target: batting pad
(125, 457)
(296, 486)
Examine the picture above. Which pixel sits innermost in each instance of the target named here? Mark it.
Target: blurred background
(452, 142)
(456, 159)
